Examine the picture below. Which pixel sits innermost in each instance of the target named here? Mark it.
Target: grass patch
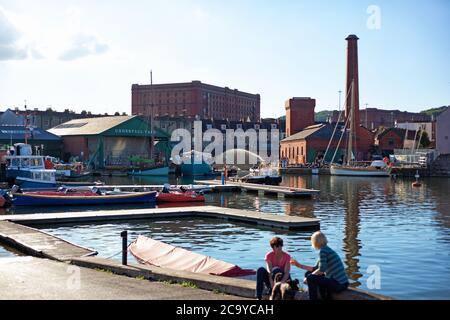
(104, 270)
(140, 278)
(188, 285)
(184, 284)
(216, 291)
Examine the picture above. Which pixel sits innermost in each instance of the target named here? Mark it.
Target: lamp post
(366, 113)
(340, 92)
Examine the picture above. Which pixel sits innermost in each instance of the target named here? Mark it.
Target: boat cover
(160, 254)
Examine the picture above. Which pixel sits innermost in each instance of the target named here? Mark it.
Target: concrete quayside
(40, 244)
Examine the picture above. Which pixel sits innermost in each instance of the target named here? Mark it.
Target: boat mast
(351, 124)
(151, 115)
(26, 123)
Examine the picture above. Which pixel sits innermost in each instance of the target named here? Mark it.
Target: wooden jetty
(267, 189)
(40, 244)
(244, 216)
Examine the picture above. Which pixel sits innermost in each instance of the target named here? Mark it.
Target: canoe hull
(25, 199)
(180, 197)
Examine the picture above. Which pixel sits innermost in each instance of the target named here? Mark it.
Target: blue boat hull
(34, 200)
(196, 169)
(158, 172)
(35, 184)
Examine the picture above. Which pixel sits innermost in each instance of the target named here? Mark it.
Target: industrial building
(195, 100)
(108, 141)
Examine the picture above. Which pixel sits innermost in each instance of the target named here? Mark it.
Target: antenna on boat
(25, 123)
(152, 143)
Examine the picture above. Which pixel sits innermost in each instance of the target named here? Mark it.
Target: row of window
(240, 126)
(292, 152)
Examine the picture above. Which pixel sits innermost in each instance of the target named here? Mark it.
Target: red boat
(175, 196)
(156, 253)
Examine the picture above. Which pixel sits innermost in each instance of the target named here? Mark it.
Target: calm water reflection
(376, 221)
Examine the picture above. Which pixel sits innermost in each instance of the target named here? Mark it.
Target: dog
(284, 291)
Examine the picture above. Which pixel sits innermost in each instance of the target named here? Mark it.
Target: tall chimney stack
(352, 74)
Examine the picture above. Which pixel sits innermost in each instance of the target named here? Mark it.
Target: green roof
(90, 126)
(121, 126)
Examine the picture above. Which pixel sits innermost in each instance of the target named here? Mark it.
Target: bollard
(124, 236)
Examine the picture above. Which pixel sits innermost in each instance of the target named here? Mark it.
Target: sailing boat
(349, 168)
(157, 171)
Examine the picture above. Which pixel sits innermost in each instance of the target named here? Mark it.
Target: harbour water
(374, 224)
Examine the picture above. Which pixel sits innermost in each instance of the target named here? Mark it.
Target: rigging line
(340, 140)
(337, 123)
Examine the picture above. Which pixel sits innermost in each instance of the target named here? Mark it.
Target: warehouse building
(108, 141)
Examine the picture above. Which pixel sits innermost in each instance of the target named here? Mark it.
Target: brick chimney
(299, 114)
(352, 74)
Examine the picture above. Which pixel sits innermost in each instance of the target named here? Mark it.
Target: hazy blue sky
(86, 54)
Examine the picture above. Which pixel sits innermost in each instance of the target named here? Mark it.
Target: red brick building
(310, 144)
(195, 100)
(305, 143)
(390, 139)
(300, 112)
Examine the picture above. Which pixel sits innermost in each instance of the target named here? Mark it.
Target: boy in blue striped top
(328, 275)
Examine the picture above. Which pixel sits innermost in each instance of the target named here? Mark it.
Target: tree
(425, 140)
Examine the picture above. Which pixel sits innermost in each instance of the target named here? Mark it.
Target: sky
(86, 54)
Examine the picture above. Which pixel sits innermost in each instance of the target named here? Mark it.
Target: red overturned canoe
(188, 196)
(156, 253)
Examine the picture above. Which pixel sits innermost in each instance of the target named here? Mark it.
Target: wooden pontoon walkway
(40, 244)
(267, 189)
(244, 216)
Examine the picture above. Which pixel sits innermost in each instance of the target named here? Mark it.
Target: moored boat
(375, 169)
(29, 171)
(266, 176)
(351, 167)
(154, 172)
(94, 196)
(156, 253)
(175, 196)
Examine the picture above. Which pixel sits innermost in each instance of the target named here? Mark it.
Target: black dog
(284, 291)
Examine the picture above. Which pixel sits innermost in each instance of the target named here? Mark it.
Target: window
(209, 126)
(223, 127)
(239, 126)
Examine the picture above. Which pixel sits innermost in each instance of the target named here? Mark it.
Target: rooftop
(89, 126)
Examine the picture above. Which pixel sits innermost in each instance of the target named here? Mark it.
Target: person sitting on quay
(328, 275)
(277, 261)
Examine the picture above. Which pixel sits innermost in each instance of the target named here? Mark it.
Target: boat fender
(2, 202)
(16, 189)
